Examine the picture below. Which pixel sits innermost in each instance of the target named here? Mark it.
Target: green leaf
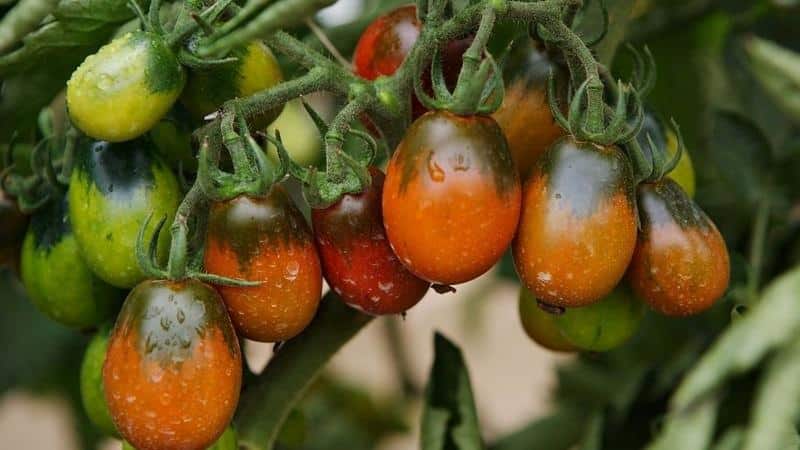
(593, 440)
(558, 431)
(449, 419)
(266, 403)
(777, 403)
(690, 429)
(772, 322)
(731, 440)
(778, 71)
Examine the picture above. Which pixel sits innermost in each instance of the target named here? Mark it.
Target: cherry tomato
(112, 191)
(92, 391)
(173, 369)
(540, 325)
(525, 115)
(299, 134)
(226, 442)
(125, 88)
(452, 197)
(12, 229)
(603, 325)
(357, 259)
(265, 239)
(681, 265)
(578, 226)
(56, 277)
(172, 140)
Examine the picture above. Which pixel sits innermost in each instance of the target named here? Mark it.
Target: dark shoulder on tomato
(665, 201)
(118, 168)
(50, 225)
(354, 215)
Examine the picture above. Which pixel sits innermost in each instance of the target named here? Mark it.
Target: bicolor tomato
(56, 277)
(681, 264)
(173, 369)
(357, 259)
(451, 201)
(578, 226)
(113, 189)
(265, 239)
(125, 88)
(540, 325)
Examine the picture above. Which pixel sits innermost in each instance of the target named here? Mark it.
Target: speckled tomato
(357, 259)
(12, 229)
(578, 226)
(540, 325)
(265, 239)
(112, 190)
(525, 115)
(56, 277)
(681, 265)
(226, 442)
(173, 369)
(92, 391)
(604, 325)
(451, 200)
(125, 88)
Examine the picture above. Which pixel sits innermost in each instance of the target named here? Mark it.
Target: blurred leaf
(449, 419)
(596, 385)
(690, 429)
(292, 370)
(777, 403)
(558, 431)
(593, 440)
(778, 70)
(619, 14)
(770, 323)
(731, 440)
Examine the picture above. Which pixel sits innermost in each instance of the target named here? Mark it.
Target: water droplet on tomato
(292, 269)
(436, 173)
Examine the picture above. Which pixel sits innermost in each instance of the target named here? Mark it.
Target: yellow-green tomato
(125, 88)
(603, 325)
(227, 441)
(172, 137)
(683, 173)
(299, 134)
(255, 69)
(92, 394)
(540, 325)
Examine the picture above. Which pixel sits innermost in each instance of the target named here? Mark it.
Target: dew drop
(292, 269)
(436, 173)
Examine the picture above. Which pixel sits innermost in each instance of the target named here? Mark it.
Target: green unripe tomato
(540, 325)
(683, 173)
(92, 394)
(125, 88)
(227, 441)
(56, 277)
(254, 70)
(603, 325)
(172, 137)
(112, 191)
(299, 134)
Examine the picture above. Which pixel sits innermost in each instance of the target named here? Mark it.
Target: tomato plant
(450, 171)
(12, 228)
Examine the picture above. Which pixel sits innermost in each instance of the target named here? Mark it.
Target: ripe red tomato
(385, 43)
(681, 265)
(357, 260)
(265, 239)
(578, 225)
(452, 197)
(173, 369)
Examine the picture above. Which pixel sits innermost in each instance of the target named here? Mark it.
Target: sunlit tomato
(357, 260)
(56, 277)
(92, 391)
(113, 189)
(386, 42)
(540, 325)
(125, 88)
(525, 115)
(603, 325)
(254, 70)
(452, 197)
(173, 369)
(12, 229)
(578, 225)
(265, 239)
(681, 265)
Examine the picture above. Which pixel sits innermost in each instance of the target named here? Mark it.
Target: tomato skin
(357, 259)
(57, 279)
(265, 239)
(451, 199)
(92, 391)
(525, 115)
(578, 225)
(227, 441)
(540, 325)
(173, 369)
(681, 264)
(256, 69)
(12, 230)
(113, 189)
(125, 88)
(603, 325)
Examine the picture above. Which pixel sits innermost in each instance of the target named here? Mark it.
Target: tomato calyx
(650, 157)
